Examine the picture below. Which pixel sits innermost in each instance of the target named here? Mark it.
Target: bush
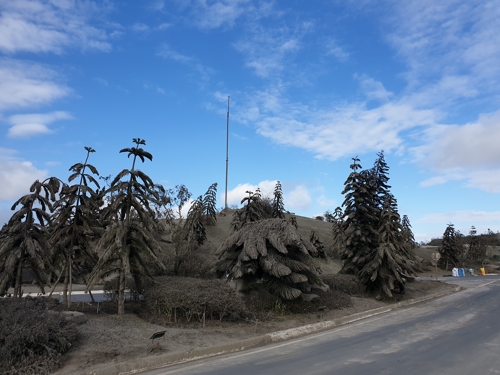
(177, 299)
(327, 300)
(32, 340)
(348, 284)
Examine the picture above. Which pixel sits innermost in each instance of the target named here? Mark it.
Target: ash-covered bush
(331, 300)
(185, 299)
(32, 340)
(348, 284)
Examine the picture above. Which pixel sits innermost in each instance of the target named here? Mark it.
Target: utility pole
(227, 148)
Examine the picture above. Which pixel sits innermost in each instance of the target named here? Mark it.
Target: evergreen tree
(450, 249)
(24, 240)
(339, 239)
(391, 262)
(252, 211)
(278, 207)
(477, 249)
(75, 223)
(361, 218)
(407, 233)
(210, 205)
(128, 240)
(272, 253)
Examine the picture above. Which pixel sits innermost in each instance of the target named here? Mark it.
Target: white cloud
(40, 26)
(332, 47)
(163, 26)
(453, 43)
(373, 89)
(28, 130)
(28, 125)
(326, 202)
(469, 152)
(265, 49)
(168, 53)
(215, 14)
(140, 27)
(235, 196)
(336, 131)
(298, 198)
(26, 84)
(16, 175)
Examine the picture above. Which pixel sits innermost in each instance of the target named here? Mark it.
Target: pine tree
(391, 262)
(272, 253)
(24, 241)
(407, 233)
(361, 218)
(450, 249)
(249, 213)
(210, 205)
(278, 208)
(129, 239)
(339, 239)
(477, 250)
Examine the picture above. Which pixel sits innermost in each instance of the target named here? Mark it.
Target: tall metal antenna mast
(227, 147)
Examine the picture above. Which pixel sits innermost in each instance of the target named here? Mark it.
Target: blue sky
(312, 84)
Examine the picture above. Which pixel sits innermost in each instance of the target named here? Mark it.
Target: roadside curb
(155, 362)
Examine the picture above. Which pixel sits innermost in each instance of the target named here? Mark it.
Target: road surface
(458, 334)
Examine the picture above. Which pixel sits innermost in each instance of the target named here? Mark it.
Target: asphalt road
(457, 334)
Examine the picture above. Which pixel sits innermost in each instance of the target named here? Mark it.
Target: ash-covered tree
(317, 243)
(375, 250)
(360, 220)
(272, 252)
(129, 240)
(477, 249)
(339, 239)
(378, 178)
(251, 211)
(24, 241)
(391, 261)
(450, 249)
(278, 207)
(75, 224)
(407, 233)
(210, 205)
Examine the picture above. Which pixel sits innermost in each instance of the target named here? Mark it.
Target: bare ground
(108, 338)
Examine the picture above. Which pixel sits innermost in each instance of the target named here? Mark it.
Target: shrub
(329, 300)
(176, 299)
(32, 340)
(348, 284)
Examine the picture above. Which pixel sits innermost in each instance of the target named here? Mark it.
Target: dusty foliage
(327, 301)
(32, 340)
(348, 284)
(271, 251)
(183, 299)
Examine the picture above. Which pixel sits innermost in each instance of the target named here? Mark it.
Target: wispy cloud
(454, 44)
(203, 73)
(140, 27)
(332, 47)
(29, 125)
(26, 84)
(336, 131)
(265, 50)
(41, 26)
(208, 14)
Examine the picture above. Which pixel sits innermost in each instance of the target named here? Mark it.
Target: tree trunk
(19, 276)
(121, 291)
(70, 270)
